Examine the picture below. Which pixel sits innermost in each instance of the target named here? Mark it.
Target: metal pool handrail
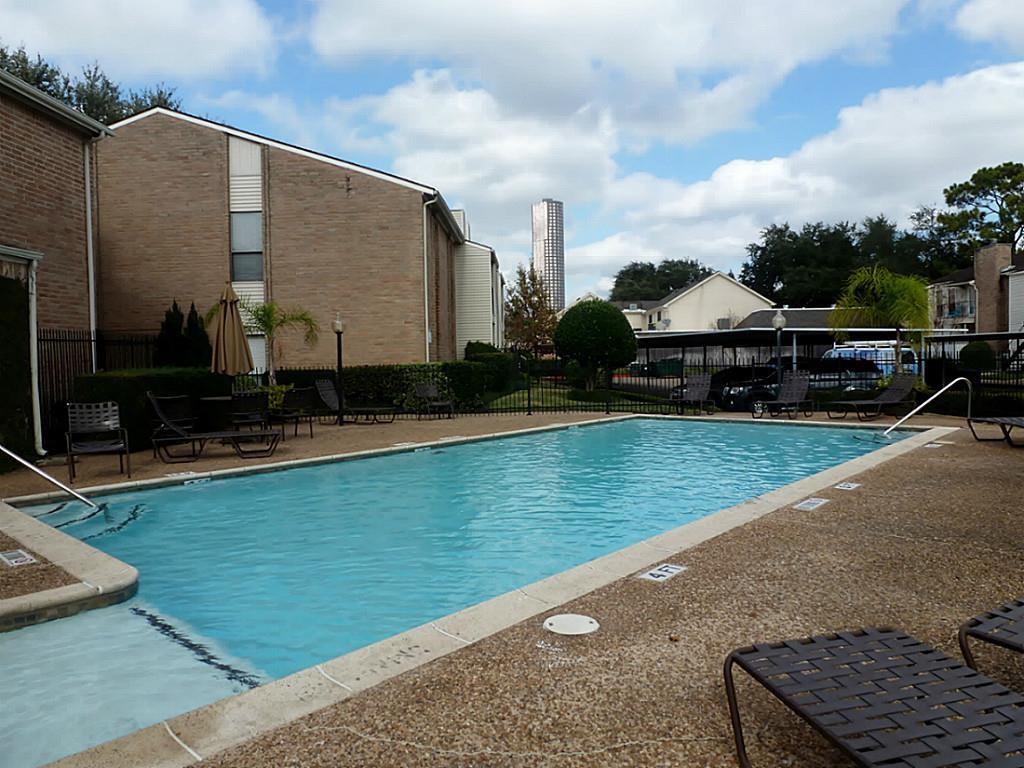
(970, 397)
(48, 478)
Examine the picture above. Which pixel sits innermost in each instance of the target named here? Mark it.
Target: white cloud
(896, 150)
(995, 21)
(664, 70)
(132, 40)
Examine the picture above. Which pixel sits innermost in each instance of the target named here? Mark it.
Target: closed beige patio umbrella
(231, 353)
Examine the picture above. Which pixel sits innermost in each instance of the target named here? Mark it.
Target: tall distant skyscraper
(549, 248)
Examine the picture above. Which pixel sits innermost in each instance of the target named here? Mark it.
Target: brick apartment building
(185, 204)
(979, 298)
(46, 248)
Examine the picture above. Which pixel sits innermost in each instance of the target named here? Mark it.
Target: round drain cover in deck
(571, 624)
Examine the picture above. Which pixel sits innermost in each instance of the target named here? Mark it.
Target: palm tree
(874, 297)
(269, 318)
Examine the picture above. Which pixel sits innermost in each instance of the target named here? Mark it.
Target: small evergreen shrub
(977, 356)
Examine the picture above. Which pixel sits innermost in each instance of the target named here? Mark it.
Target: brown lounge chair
(899, 392)
(174, 425)
(1003, 626)
(791, 399)
(1006, 425)
(697, 394)
(886, 699)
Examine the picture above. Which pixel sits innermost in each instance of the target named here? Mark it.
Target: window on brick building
(246, 246)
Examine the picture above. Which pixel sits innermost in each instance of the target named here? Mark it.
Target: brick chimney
(989, 262)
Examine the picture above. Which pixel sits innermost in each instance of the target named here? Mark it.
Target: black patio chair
(174, 426)
(696, 393)
(886, 699)
(372, 414)
(299, 404)
(94, 429)
(429, 400)
(900, 392)
(250, 408)
(1006, 425)
(791, 399)
(1003, 626)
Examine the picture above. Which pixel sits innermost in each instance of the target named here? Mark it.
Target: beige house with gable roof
(717, 301)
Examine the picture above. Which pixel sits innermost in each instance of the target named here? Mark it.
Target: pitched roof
(799, 317)
(815, 318)
(694, 284)
(964, 275)
(58, 110)
(640, 304)
(310, 153)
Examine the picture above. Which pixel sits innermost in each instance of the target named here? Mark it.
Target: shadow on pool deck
(929, 539)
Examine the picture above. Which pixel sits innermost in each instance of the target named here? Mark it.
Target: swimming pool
(248, 579)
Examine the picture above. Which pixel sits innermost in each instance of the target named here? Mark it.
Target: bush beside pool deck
(238, 719)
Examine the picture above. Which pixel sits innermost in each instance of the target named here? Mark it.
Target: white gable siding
(474, 296)
(1016, 298)
(701, 308)
(244, 157)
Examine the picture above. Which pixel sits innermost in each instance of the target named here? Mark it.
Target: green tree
(596, 336)
(637, 281)
(988, 207)
(875, 297)
(170, 343)
(529, 319)
(197, 341)
(805, 268)
(643, 281)
(92, 92)
(269, 319)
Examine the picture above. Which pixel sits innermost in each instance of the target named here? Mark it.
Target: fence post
(529, 390)
(682, 374)
(608, 393)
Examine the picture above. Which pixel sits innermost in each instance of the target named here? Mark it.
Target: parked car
(881, 353)
(736, 388)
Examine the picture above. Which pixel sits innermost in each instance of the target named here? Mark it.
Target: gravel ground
(25, 579)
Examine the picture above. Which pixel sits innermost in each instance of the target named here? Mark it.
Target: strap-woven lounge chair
(298, 404)
(175, 427)
(429, 400)
(375, 414)
(1003, 626)
(697, 393)
(95, 428)
(250, 408)
(886, 699)
(791, 399)
(899, 392)
(1006, 425)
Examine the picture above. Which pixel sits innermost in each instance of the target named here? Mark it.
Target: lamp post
(339, 331)
(778, 323)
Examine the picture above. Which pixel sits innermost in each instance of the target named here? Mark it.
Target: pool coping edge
(102, 579)
(234, 720)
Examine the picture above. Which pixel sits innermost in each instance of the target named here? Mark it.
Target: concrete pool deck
(928, 539)
(472, 711)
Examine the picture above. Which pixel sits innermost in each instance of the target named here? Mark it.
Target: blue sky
(670, 129)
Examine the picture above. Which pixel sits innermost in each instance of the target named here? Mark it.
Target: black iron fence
(548, 384)
(67, 353)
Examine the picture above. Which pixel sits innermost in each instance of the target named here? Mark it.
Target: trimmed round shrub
(977, 356)
(597, 336)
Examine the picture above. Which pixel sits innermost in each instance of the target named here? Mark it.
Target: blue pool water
(251, 578)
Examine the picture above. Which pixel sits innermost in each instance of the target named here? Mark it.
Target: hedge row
(128, 389)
